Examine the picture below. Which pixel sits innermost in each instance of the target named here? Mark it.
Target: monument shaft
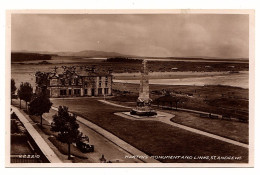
(144, 83)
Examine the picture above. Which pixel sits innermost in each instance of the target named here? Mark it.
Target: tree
(40, 105)
(13, 87)
(25, 92)
(65, 124)
(41, 78)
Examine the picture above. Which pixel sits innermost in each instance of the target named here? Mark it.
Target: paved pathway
(113, 104)
(167, 120)
(190, 110)
(45, 148)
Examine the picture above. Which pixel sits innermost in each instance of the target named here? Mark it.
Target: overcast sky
(224, 36)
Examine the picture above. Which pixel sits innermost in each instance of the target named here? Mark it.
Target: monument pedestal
(143, 113)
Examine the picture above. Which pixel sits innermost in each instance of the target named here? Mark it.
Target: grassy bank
(224, 100)
(229, 129)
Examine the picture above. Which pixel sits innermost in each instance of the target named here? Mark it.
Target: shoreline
(191, 79)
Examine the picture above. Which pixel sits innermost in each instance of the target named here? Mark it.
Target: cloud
(146, 35)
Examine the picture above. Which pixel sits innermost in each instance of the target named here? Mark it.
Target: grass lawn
(230, 129)
(63, 148)
(151, 137)
(45, 125)
(238, 131)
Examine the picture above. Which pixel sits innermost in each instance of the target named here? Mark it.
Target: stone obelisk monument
(143, 107)
(144, 84)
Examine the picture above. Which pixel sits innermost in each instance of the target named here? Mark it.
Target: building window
(63, 92)
(76, 91)
(99, 84)
(100, 77)
(99, 91)
(106, 82)
(76, 81)
(69, 91)
(69, 82)
(53, 82)
(62, 82)
(86, 91)
(80, 81)
(106, 91)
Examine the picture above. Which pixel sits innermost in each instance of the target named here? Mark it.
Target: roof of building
(82, 71)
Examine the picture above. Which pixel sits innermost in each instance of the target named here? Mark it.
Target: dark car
(85, 147)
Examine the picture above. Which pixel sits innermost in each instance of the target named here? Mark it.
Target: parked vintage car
(85, 147)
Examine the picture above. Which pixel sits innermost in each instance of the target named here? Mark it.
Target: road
(102, 145)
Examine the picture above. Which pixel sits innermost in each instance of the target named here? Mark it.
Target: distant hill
(123, 60)
(104, 54)
(93, 53)
(21, 56)
(25, 55)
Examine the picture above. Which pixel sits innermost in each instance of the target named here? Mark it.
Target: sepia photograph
(130, 88)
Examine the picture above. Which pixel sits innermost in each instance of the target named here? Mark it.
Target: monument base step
(143, 112)
(142, 117)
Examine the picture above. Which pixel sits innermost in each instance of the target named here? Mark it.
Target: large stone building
(74, 81)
